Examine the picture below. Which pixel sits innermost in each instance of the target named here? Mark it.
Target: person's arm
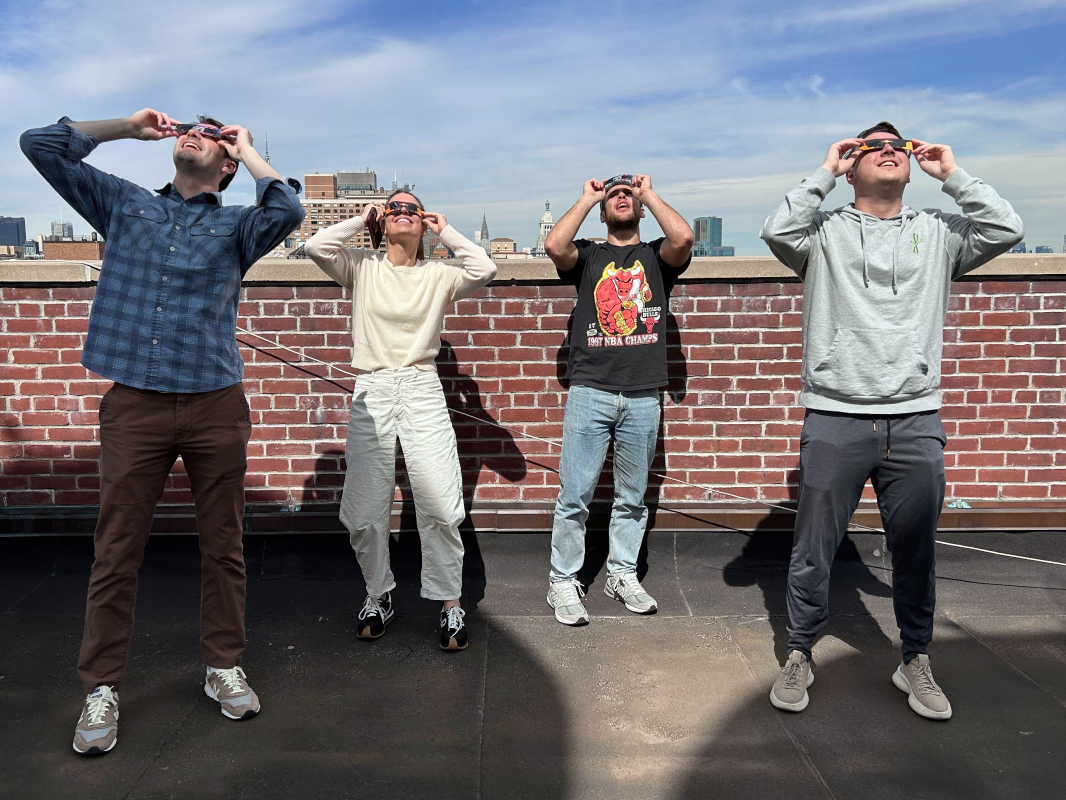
(990, 225)
(277, 211)
(58, 152)
(560, 242)
(327, 249)
(788, 229)
(676, 251)
(477, 268)
(241, 151)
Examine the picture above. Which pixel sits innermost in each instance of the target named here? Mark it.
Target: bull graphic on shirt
(621, 294)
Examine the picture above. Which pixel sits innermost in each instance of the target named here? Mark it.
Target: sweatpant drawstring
(888, 439)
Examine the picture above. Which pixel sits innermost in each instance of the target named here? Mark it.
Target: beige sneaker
(790, 689)
(924, 696)
(97, 730)
(230, 688)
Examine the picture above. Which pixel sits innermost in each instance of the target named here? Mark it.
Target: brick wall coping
(754, 269)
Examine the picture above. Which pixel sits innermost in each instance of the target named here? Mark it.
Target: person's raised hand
(435, 222)
(934, 159)
(380, 212)
(835, 161)
(235, 140)
(149, 125)
(642, 186)
(593, 190)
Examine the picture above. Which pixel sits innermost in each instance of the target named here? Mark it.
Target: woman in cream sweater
(398, 306)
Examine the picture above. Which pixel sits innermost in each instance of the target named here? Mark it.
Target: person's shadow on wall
(597, 527)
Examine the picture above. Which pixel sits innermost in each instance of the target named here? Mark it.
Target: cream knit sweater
(398, 312)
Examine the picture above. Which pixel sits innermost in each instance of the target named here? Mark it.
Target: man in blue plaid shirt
(162, 327)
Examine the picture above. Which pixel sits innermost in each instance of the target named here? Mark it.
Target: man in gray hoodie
(876, 279)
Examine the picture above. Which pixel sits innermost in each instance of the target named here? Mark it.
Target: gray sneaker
(790, 689)
(97, 731)
(924, 696)
(627, 589)
(565, 598)
(230, 688)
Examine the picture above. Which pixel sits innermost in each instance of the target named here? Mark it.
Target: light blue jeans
(593, 418)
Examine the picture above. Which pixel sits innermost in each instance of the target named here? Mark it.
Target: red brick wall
(731, 421)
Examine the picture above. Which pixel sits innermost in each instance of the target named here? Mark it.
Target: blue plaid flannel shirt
(165, 312)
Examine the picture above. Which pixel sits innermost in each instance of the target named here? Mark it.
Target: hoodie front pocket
(873, 363)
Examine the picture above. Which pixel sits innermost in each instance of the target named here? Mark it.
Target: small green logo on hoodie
(916, 241)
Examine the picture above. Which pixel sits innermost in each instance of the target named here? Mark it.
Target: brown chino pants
(142, 433)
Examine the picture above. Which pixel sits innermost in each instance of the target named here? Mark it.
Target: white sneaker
(627, 589)
(565, 598)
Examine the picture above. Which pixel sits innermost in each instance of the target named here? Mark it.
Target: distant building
(12, 231)
(63, 230)
(433, 247)
(708, 232)
(547, 222)
(483, 234)
(10, 251)
(1018, 248)
(30, 249)
(329, 199)
(1041, 248)
(502, 244)
(84, 249)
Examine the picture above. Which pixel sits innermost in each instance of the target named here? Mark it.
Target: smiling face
(621, 208)
(201, 157)
(402, 225)
(880, 168)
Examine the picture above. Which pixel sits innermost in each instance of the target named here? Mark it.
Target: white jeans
(406, 405)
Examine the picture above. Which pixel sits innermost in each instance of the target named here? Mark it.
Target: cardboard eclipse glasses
(207, 131)
(901, 145)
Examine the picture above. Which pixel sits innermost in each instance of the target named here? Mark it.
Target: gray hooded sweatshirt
(875, 292)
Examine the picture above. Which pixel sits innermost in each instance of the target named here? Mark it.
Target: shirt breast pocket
(141, 224)
(211, 240)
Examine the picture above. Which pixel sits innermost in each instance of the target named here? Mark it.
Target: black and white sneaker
(452, 629)
(375, 615)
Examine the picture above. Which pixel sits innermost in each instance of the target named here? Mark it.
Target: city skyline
(547, 116)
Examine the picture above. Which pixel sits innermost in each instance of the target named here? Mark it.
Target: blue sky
(497, 107)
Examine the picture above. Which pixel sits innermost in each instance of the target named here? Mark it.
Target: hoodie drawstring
(865, 259)
(895, 250)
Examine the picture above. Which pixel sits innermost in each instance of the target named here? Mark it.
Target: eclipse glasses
(901, 145)
(396, 207)
(207, 131)
(617, 180)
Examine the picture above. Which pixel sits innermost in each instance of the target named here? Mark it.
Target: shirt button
(142, 213)
(172, 249)
(177, 227)
(155, 341)
(164, 279)
(212, 230)
(159, 308)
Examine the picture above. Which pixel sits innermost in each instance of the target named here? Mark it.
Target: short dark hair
(226, 179)
(882, 126)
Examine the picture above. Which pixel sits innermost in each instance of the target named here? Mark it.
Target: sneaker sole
(899, 680)
(794, 707)
(454, 645)
(247, 714)
(384, 625)
(573, 622)
(96, 751)
(616, 596)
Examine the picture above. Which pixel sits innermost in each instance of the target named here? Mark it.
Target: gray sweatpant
(904, 458)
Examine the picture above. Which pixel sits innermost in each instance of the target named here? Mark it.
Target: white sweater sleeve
(477, 269)
(326, 248)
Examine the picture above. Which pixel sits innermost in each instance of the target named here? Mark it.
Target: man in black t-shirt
(617, 367)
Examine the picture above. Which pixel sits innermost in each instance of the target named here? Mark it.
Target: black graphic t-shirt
(618, 342)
